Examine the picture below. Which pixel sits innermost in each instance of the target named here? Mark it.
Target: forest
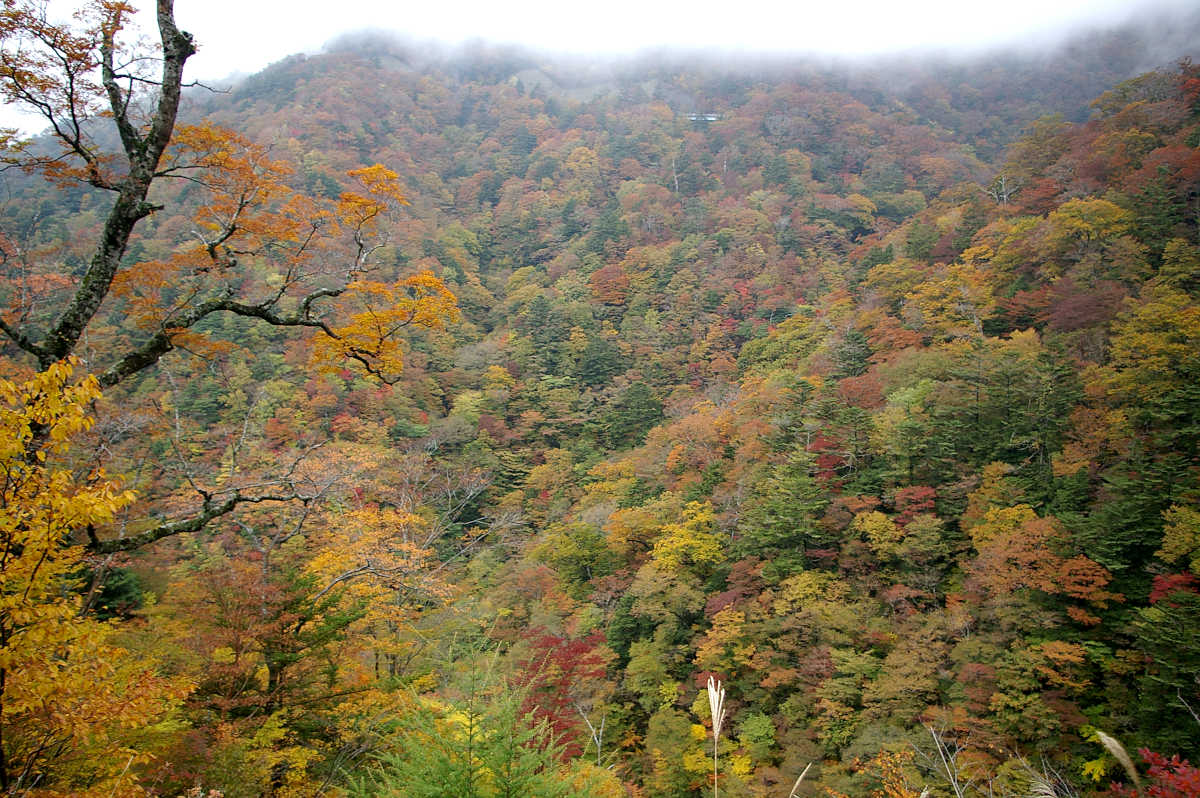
(404, 421)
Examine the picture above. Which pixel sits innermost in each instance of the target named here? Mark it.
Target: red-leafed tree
(1172, 777)
(564, 680)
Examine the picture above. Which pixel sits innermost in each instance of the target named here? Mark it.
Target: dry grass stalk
(716, 706)
(1039, 787)
(796, 786)
(1046, 782)
(1117, 750)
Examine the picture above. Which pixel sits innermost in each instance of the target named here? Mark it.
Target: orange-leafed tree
(255, 250)
(1017, 554)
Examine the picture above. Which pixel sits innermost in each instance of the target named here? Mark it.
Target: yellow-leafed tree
(73, 706)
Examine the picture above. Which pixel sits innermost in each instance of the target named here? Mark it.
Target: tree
(1172, 777)
(262, 251)
(71, 701)
(630, 416)
(1155, 367)
(780, 517)
(1016, 553)
(1168, 692)
(689, 542)
(483, 745)
(201, 243)
(562, 679)
(600, 361)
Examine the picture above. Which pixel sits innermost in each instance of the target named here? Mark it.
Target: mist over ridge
(1051, 73)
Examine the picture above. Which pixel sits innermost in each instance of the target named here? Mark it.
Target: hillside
(870, 390)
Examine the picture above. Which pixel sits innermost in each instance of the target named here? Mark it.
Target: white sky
(243, 36)
(246, 35)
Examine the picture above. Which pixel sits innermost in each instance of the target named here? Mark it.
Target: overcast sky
(242, 36)
(246, 35)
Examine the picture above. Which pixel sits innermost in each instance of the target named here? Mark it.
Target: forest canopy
(414, 426)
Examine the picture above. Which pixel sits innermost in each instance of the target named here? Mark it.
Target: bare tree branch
(210, 510)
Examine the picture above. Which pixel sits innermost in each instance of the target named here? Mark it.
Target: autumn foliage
(472, 413)
(72, 701)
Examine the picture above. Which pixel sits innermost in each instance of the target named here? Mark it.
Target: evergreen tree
(600, 361)
(628, 419)
(779, 521)
(480, 746)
